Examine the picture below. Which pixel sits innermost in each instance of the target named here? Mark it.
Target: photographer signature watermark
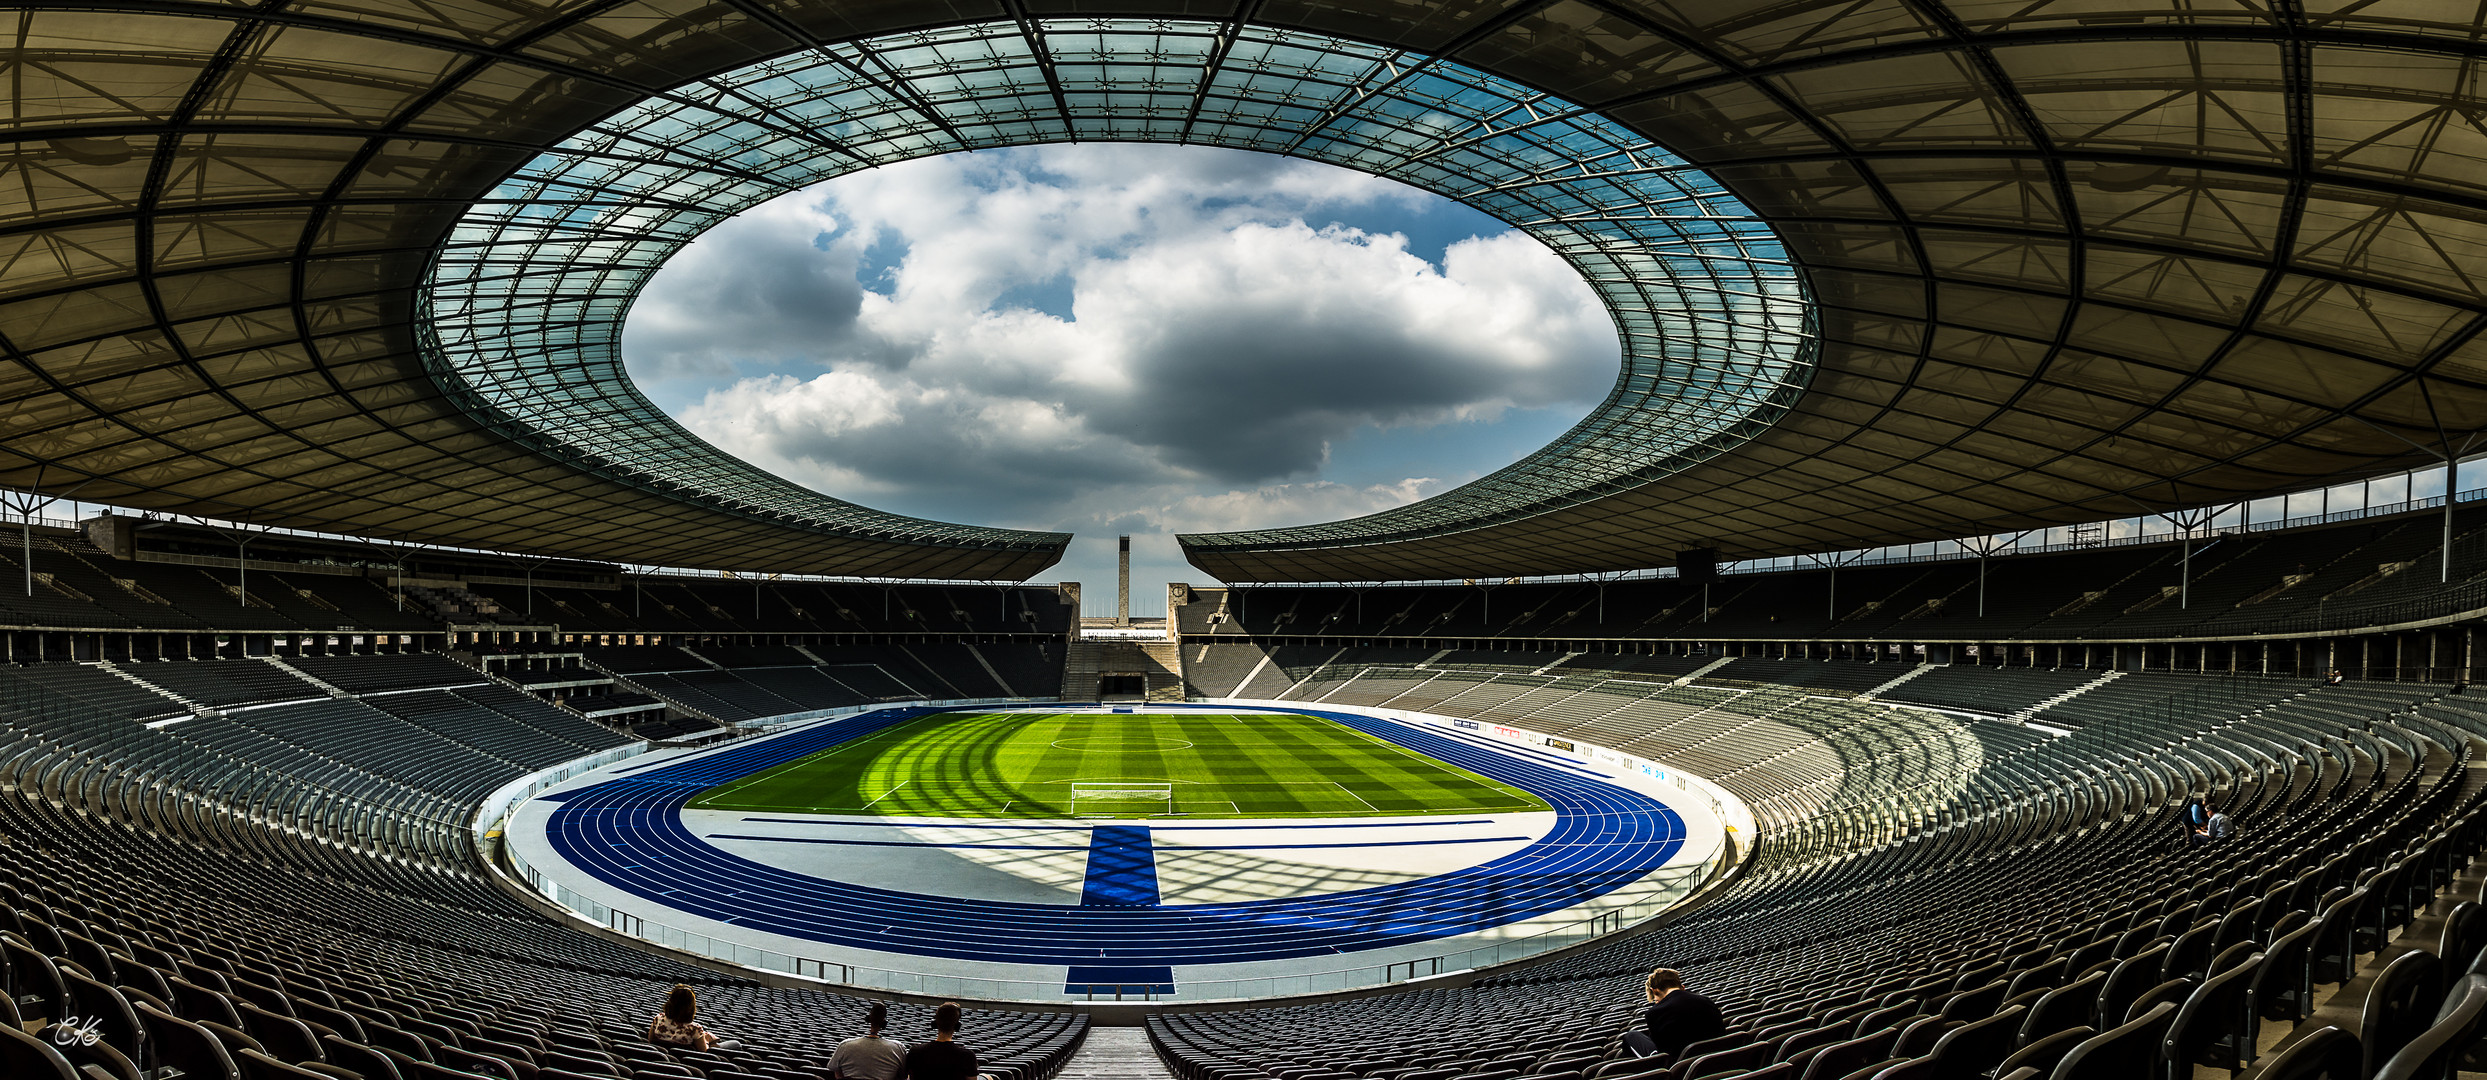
(73, 1031)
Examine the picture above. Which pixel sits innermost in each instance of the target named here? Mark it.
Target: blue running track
(628, 833)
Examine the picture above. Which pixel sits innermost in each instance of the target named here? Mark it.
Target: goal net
(1120, 791)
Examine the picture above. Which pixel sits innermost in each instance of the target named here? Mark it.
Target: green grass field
(1038, 765)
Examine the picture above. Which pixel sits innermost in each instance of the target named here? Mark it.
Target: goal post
(1121, 791)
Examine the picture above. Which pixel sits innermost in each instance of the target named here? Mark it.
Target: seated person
(675, 1025)
(1676, 1017)
(943, 1058)
(869, 1057)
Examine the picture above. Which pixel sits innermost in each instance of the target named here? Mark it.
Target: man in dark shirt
(942, 1058)
(1676, 1017)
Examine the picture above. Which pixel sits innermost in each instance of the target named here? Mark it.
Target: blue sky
(1103, 339)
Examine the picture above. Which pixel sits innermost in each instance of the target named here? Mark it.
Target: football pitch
(1117, 765)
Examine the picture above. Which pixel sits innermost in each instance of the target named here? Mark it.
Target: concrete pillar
(1122, 584)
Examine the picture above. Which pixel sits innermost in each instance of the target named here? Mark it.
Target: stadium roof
(2014, 265)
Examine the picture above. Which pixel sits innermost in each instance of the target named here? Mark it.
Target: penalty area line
(1359, 798)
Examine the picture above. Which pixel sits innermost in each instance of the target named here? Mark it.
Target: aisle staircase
(1164, 670)
(1914, 671)
(1115, 1053)
(2031, 713)
(1079, 670)
(196, 709)
(1158, 663)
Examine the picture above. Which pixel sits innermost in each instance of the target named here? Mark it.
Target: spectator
(2196, 814)
(943, 1058)
(2218, 826)
(1676, 1017)
(869, 1056)
(677, 1024)
(2332, 679)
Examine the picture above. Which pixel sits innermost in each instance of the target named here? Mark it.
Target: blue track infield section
(1122, 868)
(629, 834)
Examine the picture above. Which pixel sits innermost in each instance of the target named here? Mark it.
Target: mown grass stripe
(1023, 765)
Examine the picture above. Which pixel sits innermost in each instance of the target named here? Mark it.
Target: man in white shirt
(869, 1057)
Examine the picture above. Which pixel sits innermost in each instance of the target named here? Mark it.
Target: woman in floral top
(675, 1024)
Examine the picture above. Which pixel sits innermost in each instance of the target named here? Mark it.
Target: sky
(1107, 338)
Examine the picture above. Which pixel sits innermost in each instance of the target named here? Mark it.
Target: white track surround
(1043, 863)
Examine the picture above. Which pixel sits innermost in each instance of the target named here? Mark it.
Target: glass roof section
(523, 310)
(2067, 260)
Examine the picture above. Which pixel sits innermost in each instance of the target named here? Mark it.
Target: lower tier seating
(1959, 908)
(306, 887)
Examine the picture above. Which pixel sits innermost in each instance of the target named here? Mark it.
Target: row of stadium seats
(77, 585)
(744, 683)
(2357, 574)
(677, 606)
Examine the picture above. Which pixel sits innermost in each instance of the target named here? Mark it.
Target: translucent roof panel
(522, 302)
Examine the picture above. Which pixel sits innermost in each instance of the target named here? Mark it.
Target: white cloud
(1223, 337)
(1275, 505)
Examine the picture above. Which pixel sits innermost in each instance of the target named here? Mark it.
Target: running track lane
(629, 834)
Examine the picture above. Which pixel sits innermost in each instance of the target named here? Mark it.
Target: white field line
(887, 794)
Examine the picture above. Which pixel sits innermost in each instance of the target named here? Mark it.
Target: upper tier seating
(2362, 573)
(758, 682)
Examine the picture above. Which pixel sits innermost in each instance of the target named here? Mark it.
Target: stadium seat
(1921, 1036)
(109, 1015)
(2044, 1053)
(182, 1045)
(1975, 1048)
(1837, 1060)
(281, 1037)
(258, 1066)
(2214, 1026)
(34, 983)
(2401, 1004)
(2173, 991)
(358, 1058)
(1969, 1006)
(2190, 954)
(2462, 937)
(2069, 1006)
(2334, 948)
(25, 1057)
(2327, 1053)
(2437, 1052)
(2284, 984)
(1750, 1056)
(2129, 1050)
(2131, 978)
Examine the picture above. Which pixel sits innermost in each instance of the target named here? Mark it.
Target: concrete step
(1115, 1053)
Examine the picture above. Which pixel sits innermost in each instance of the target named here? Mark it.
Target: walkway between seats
(1115, 1053)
